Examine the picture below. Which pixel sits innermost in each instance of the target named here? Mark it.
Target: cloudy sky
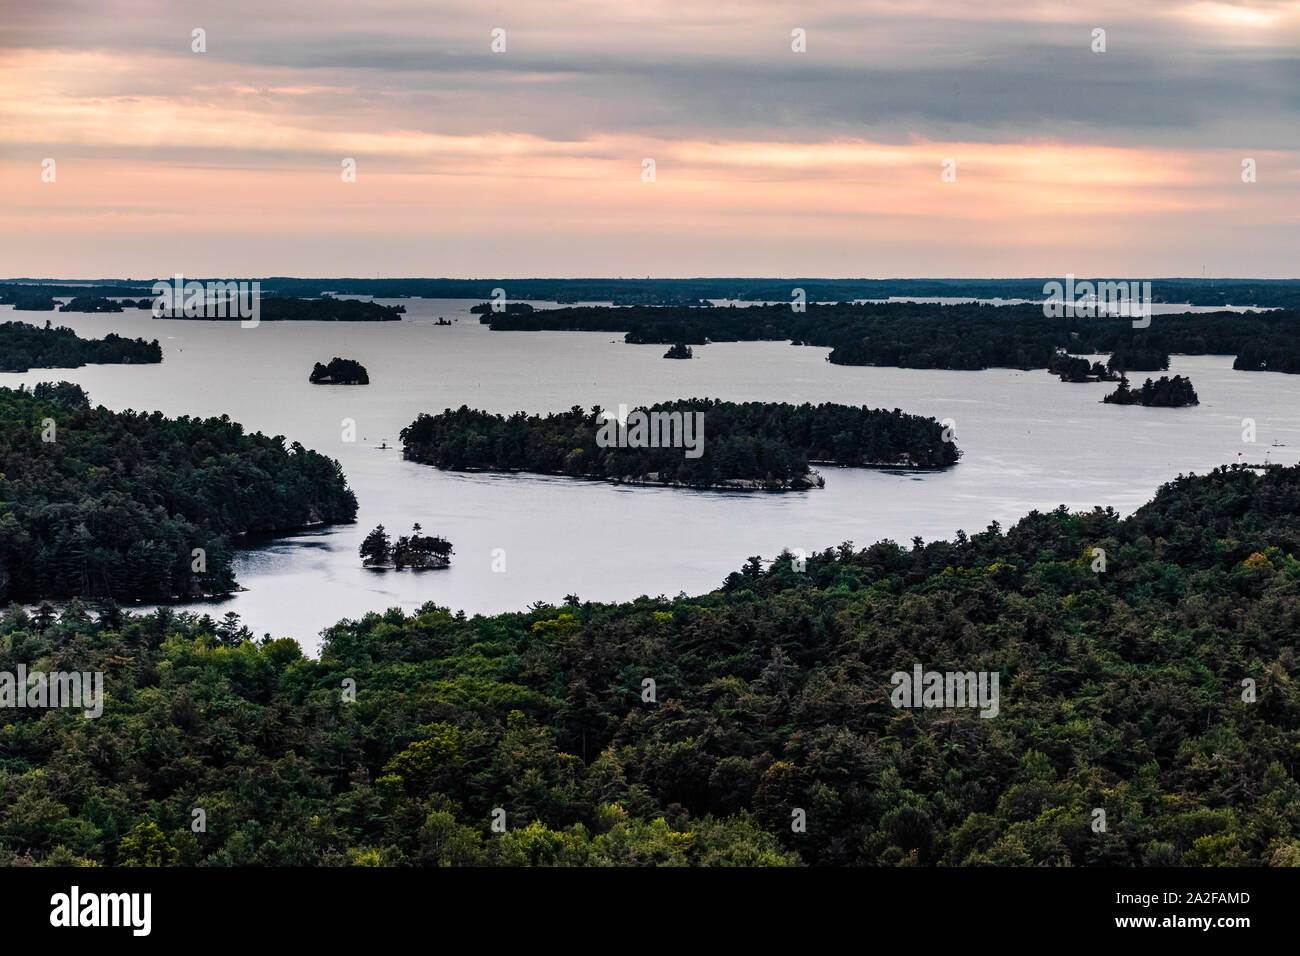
(529, 162)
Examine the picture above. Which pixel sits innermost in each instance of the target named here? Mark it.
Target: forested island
(26, 301)
(964, 337)
(339, 371)
(679, 351)
(692, 443)
(1175, 392)
(416, 550)
(92, 303)
(24, 346)
(1164, 690)
(326, 309)
(101, 504)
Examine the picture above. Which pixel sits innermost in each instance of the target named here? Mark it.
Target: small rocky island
(679, 351)
(409, 551)
(1175, 392)
(339, 371)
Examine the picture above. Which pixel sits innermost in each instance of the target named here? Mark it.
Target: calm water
(1029, 440)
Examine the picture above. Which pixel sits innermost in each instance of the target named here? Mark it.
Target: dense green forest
(746, 445)
(24, 346)
(1168, 392)
(103, 504)
(339, 371)
(1161, 686)
(967, 337)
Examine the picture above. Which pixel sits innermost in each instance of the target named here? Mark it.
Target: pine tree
(375, 549)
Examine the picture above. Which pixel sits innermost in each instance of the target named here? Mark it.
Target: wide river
(1029, 441)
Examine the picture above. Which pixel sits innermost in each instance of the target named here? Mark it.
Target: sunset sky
(768, 162)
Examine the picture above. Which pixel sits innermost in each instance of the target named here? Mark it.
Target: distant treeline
(968, 336)
(724, 444)
(275, 306)
(509, 308)
(328, 309)
(24, 301)
(1280, 293)
(1168, 392)
(108, 288)
(24, 346)
(112, 505)
(94, 303)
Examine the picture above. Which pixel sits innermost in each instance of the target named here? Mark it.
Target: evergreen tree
(375, 549)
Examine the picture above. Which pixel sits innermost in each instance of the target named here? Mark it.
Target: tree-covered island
(416, 550)
(339, 371)
(1175, 392)
(288, 309)
(92, 303)
(24, 300)
(24, 346)
(692, 443)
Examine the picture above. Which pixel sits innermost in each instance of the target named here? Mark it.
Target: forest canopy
(1163, 689)
(102, 504)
